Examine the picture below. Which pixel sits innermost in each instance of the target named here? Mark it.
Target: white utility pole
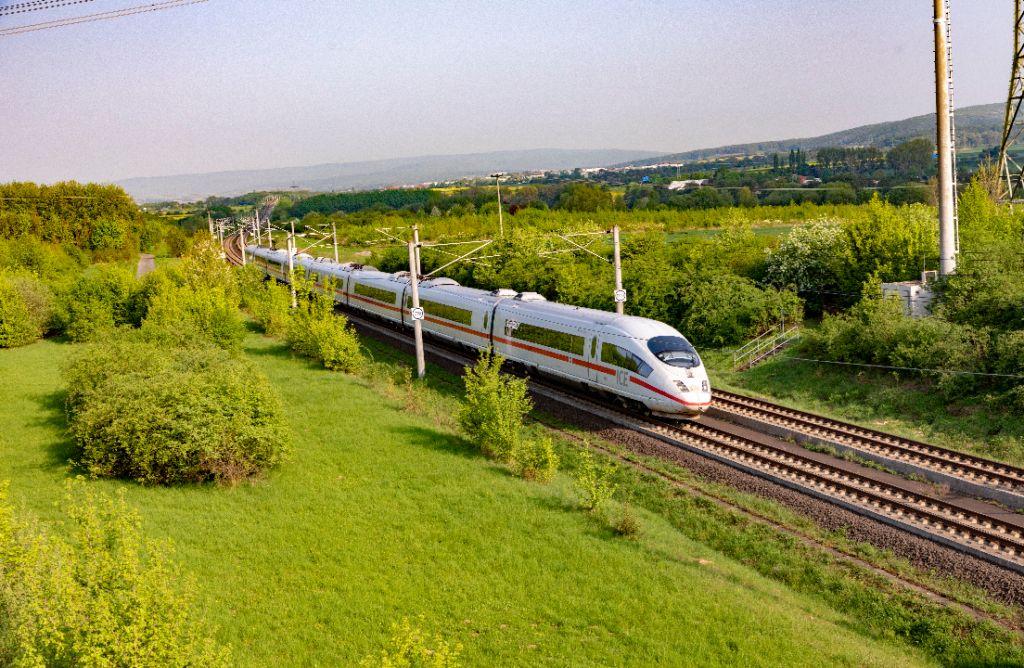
(417, 314)
(334, 229)
(291, 265)
(620, 294)
(416, 240)
(947, 223)
(497, 183)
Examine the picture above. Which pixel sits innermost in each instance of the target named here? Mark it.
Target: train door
(590, 347)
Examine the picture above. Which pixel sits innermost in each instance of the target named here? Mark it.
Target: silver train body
(637, 361)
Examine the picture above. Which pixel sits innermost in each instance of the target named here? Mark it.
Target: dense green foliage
(351, 202)
(101, 219)
(492, 414)
(315, 331)
(141, 409)
(108, 597)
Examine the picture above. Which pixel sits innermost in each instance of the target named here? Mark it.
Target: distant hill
(980, 125)
(371, 174)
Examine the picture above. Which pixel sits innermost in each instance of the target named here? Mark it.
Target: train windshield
(674, 351)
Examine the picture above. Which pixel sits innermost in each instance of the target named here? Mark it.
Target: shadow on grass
(440, 442)
(52, 415)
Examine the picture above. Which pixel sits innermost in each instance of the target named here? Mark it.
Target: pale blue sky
(233, 84)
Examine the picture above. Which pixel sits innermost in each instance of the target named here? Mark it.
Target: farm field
(383, 515)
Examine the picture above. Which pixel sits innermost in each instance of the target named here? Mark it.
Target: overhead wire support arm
(461, 257)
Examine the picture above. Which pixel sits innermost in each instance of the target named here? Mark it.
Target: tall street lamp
(497, 182)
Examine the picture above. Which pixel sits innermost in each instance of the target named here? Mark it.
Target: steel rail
(947, 461)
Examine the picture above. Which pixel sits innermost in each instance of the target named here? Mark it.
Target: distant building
(689, 183)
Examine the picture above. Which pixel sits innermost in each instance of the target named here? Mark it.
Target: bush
(108, 598)
(494, 407)
(536, 460)
(593, 481)
(811, 258)
(272, 309)
(138, 409)
(16, 326)
(409, 650)
(205, 268)
(209, 314)
(97, 303)
(38, 299)
(316, 332)
(177, 242)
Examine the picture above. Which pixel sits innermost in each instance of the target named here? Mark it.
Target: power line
(10, 10)
(98, 17)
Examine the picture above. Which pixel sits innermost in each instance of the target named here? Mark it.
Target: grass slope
(381, 515)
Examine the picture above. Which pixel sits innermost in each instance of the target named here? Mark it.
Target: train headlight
(682, 386)
(704, 386)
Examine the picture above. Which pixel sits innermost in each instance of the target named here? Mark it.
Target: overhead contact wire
(98, 17)
(6, 11)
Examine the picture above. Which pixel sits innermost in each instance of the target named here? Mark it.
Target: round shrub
(140, 410)
(16, 326)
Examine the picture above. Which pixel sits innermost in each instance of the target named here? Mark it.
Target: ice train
(642, 363)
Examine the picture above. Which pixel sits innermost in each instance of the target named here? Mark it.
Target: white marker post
(334, 229)
(291, 266)
(620, 294)
(417, 312)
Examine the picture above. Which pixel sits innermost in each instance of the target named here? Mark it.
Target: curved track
(975, 528)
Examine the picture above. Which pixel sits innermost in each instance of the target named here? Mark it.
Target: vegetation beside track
(385, 513)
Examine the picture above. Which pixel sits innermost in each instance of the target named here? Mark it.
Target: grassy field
(383, 515)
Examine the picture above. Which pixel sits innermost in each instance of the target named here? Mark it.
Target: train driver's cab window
(624, 359)
(674, 351)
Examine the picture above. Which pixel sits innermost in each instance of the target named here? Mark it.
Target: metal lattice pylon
(1013, 122)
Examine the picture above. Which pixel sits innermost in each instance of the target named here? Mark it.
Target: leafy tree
(912, 155)
(583, 198)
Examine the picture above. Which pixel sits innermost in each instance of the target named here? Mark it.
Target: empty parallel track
(962, 472)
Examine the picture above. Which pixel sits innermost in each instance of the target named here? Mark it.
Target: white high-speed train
(640, 362)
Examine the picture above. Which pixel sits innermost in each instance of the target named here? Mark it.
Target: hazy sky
(247, 84)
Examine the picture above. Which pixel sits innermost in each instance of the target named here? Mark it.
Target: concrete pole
(334, 229)
(416, 240)
(209, 220)
(501, 225)
(241, 245)
(619, 306)
(421, 366)
(947, 227)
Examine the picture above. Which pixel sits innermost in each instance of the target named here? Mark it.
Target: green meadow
(384, 514)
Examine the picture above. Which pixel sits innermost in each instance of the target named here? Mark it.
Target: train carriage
(643, 363)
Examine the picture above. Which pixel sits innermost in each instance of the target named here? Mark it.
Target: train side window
(379, 294)
(622, 358)
(593, 347)
(485, 320)
(445, 311)
(550, 337)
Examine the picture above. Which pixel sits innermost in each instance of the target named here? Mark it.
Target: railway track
(974, 476)
(978, 529)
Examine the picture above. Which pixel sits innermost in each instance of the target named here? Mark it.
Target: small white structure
(915, 295)
(680, 185)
